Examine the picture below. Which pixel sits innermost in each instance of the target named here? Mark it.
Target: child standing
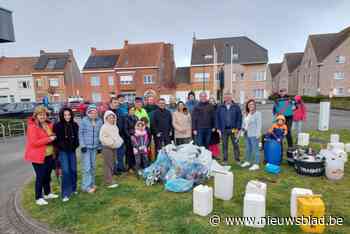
(89, 141)
(111, 140)
(150, 152)
(140, 142)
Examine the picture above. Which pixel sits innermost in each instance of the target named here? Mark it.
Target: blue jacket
(123, 110)
(191, 104)
(88, 134)
(235, 117)
(284, 106)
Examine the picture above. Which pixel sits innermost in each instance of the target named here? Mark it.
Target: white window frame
(259, 93)
(339, 75)
(339, 59)
(110, 80)
(200, 76)
(95, 81)
(339, 93)
(21, 82)
(126, 79)
(259, 76)
(54, 82)
(39, 83)
(96, 97)
(148, 79)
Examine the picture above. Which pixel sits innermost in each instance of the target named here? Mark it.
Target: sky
(280, 26)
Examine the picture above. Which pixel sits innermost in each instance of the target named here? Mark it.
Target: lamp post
(233, 57)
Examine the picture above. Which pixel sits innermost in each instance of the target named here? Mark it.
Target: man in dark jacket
(161, 126)
(129, 130)
(229, 122)
(203, 120)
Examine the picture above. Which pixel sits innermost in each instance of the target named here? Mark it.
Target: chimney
(126, 42)
(93, 50)
(42, 52)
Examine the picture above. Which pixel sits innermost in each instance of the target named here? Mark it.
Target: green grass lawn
(136, 208)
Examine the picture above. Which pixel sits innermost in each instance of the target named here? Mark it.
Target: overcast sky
(279, 26)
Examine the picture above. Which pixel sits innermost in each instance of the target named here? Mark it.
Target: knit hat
(91, 107)
(297, 98)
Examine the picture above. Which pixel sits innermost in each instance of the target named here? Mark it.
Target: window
(339, 75)
(110, 80)
(25, 99)
(340, 59)
(126, 80)
(260, 76)
(242, 76)
(96, 97)
(339, 91)
(148, 79)
(38, 83)
(51, 64)
(199, 77)
(4, 85)
(23, 84)
(258, 93)
(4, 99)
(129, 97)
(54, 83)
(95, 81)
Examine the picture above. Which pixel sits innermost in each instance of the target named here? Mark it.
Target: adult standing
(252, 124)
(215, 135)
(122, 109)
(140, 112)
(161, 125)
(39, 151)
(182, 124)
(229, 123)
(130, 123)
(284, 105)
(191, 101)
(299, 115)
(150, 106)
(203, 120)
(67, 142)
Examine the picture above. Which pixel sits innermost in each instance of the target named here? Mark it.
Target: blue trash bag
(194, 171)
(273, 169)
(156, 171)
(179, 185)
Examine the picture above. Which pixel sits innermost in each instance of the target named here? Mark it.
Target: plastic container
(223, 185)
(272, 151)
(324, 116)
(339, 153)
(334, 138)
(347, 147)
(256, 187)
(311, 205)
(272, 168)
(202, 200)
(292, 153)
(303, 139)
(295, 193)
(335, 168)
(338, 145)
(254, 207)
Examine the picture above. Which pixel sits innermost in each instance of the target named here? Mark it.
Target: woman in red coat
(39, 151)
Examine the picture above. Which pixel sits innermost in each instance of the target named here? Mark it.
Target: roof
(102, 59)
(324, 44)
(183, 75)
(249, 52)
(275, 68)
(141, 55)
(293, 60)
(11, 66)
(6, 26)
(61, 61)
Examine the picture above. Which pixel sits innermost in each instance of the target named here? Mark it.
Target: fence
(12, 129)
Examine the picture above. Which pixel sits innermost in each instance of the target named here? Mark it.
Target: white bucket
(303, 139)
(202, 200)
(293, 199)
(223, 185)
(334, 138)
(335, 168)
(347, 147)
(338, 145)
(256, 187)
(254, 207)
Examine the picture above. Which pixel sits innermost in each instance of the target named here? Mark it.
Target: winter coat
(140, 142)
(299, 113)
(109, 133)
(191, 104)
(203, 116)
(37, 140)
(161, 122)
(182, 122)
(89, 134)
(67, 133)
(284, 106)
(123, 110)
(120, 121)
(129, 126)
(234, 120)
(141, 114)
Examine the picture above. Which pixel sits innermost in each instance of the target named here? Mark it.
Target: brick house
(244, 63)
(183, 83)
(16, 80)
(57, 76)
(139, 70)
(272, 74)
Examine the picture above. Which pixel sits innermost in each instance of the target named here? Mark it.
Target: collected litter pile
(182, 167)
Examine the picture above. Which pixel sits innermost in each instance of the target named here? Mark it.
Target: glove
(83, 150)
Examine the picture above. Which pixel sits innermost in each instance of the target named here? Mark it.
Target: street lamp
(205, 57)
(233, 57)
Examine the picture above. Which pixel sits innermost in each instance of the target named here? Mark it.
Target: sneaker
(245, 164)
(41, 202)
(113, 185)
(65, 199)
(254, 167)
(50, 196)
(139, 173)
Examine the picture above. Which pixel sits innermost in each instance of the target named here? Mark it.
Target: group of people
(130, 136)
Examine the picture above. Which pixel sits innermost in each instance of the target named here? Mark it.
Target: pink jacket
(299, 113)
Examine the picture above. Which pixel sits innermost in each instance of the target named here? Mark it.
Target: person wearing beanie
(89, 141)
(111, 140)
(191, 101)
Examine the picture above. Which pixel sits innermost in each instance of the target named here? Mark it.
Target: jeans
(252, 150)
(226, 134)
(203, 137)
(298, 125)
(289, 123)
(119, 163)
(68, 162)
(43, 177)
(88, 165)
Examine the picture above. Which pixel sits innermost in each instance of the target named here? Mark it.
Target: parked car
(78, 107)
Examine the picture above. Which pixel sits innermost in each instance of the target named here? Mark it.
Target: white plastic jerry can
(254, 209)
(341, 154)
(335, 168)
(334, 138)
(293, 199)
(303, 139)
(202, 200)
(347, 147)
(337, 145)
(256, 187)
(223, 185)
